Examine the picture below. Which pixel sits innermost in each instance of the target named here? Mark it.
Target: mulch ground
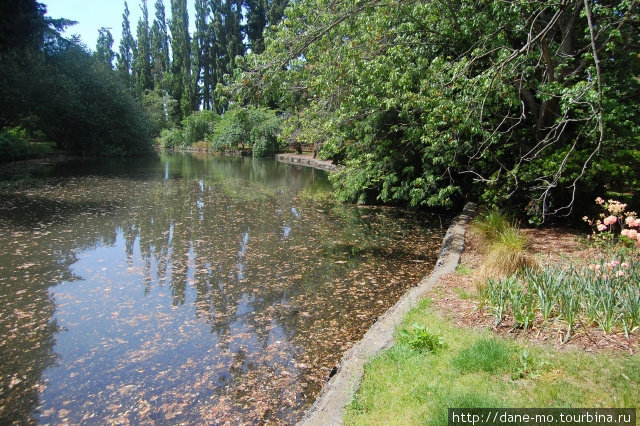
(455, 295)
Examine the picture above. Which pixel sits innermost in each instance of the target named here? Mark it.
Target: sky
(94, 14)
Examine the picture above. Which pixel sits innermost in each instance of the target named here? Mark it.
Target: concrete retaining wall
(339, 390)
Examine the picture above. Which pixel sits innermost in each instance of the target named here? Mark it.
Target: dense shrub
(264, 135)
(233, 130)
(198, 125)
(12, 147)
(256, 128)
(160, 108)
(171, 138)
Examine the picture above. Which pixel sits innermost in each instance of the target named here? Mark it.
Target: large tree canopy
(532, 104)
(52, 85)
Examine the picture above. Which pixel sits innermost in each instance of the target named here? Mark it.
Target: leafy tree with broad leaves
(532, 105)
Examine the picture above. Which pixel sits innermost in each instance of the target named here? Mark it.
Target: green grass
(463, 269)
(403, 386)
(487, 354)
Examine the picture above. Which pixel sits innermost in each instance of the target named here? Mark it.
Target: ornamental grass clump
(504, 244)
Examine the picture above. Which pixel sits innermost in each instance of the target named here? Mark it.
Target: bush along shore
(531, 318)
(238, 130)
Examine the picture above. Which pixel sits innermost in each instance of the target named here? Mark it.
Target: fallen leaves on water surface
(202, 313)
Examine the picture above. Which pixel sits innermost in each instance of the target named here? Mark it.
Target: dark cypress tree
(256, 23)
(233, 32)
(275, 11)
(217, 50)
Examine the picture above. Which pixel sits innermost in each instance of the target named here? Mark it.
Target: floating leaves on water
(138, 300)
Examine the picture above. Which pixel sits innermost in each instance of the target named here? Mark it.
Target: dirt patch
(455, 295)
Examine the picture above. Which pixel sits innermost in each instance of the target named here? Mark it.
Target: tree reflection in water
(189, 289)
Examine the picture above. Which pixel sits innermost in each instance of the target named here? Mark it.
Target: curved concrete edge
(340, 389)
(304, 160)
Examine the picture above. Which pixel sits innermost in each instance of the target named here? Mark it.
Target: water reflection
(188, 289)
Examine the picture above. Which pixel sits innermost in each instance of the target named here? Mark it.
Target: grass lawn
(408, 386)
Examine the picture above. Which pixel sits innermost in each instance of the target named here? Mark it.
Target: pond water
(186, 289)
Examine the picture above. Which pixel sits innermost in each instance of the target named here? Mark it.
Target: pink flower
(636, 223)
(610, 220)
(619, 273)
(632, 233)
(625, 265)
(614, 263)
(625, 232)
(630, 220)
(602, 227)
(594, 267)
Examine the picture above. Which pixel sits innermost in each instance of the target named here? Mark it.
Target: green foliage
(257, 128)
(161, 108)
(87, 109)
(56, 87)
(233, 130)
(171, 138)
(13, 146)
(104, 48)
(489, 107)
(197, 126)
(127, 46)
(505, 245)
(490, 225)
(141, 65)
(264, 134)
(420, 338)
(181, 87)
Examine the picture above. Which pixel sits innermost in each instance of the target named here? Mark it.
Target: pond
(188, 289)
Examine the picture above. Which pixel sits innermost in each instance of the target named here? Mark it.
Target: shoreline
(341, 387)
(305, 160)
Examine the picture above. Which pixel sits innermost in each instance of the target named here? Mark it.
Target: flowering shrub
(614, 221)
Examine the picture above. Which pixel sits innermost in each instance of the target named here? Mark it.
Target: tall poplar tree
(233, 32)
(201, 42)
(181, 66)
(104, 47)
(159, 44)
(142, 62)
(217, 50)
(127, 46)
